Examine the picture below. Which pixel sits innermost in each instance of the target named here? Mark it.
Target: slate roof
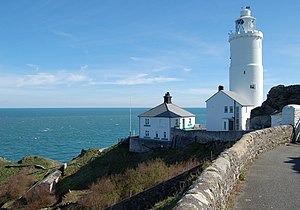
(168, 110)
(238, 98)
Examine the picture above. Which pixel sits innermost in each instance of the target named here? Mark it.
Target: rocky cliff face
(278, 97)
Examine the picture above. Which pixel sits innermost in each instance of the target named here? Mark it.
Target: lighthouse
(230, 109)
(246, 69)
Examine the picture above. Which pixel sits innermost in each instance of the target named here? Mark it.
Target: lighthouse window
(252, 86)
(244, 72)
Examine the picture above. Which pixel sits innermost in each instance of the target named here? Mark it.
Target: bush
(108, 191)
(16, 186)
(102, 195)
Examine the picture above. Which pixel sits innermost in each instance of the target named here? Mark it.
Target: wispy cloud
(43, 79)
(186, 69)
(142, 79)
(66, 35)
(34, 66)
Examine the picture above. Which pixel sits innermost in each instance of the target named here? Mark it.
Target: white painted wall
(290, 114)
(160, 125)
(216, 116)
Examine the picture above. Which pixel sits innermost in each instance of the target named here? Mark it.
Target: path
(273, 181)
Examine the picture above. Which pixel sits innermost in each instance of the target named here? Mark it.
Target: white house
(229, 110)
(157, 122)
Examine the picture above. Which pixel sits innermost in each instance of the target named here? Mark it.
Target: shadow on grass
(118, 159)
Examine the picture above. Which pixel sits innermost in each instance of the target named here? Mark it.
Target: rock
(278, 97)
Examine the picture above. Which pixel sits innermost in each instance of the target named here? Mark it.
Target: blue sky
(100, 53)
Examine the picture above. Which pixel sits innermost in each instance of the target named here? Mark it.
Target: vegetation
(98, 179)
(17, 178)
(116, 173)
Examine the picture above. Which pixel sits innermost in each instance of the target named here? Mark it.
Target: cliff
(278, 97)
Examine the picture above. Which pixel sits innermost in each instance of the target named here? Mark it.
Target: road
(273, 181)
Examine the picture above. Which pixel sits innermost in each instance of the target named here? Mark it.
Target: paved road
(273, 181)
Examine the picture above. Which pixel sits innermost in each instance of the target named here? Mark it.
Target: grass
(16, 180)
(91, 166)
(115, 174)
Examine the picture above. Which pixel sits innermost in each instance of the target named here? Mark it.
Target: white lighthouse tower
(230, 109)
(246, 70)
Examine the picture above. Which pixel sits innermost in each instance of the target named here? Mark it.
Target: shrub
(16, 186)
(102, 195)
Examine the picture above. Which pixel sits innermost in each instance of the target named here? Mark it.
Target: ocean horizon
(61, 133)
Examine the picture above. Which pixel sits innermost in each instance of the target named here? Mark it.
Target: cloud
(45, 79)
(135, 58)
(163, 68)
(66, 35)
(34, 66)
(142, 79)
(84, 68)
(186, 69)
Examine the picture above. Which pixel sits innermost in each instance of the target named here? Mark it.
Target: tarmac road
(273, 181)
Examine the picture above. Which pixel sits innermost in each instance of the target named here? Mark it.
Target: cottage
(157, 122)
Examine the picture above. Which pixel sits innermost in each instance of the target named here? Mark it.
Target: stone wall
(213, 186)
(144, 145)
(185, 137)
(181, 138)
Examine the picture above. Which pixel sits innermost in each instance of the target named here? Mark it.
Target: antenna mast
(130, 121)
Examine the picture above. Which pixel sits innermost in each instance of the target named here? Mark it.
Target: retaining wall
(181, 138)
(185, 137)
(213, 186)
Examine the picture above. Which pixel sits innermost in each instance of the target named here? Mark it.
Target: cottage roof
(233, 95)
(167, 109)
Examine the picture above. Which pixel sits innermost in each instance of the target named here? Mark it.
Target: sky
(116, 53)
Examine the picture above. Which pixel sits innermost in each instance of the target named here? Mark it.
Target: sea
(61, 133)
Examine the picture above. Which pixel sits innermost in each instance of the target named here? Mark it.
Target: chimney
(167, 98)
(221, 87)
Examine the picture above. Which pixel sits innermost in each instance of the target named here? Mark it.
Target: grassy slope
(87, 169)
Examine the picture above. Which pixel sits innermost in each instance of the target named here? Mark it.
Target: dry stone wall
(213, 186)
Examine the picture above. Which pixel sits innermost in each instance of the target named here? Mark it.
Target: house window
(225, 126)
(190, 121)
(225, 109)
(156, 135)
(147, 133)
(147, 122)
(231, 109)
(252, 86)
(237, 122)
(237, 112)
(165, 135)
(176, 122)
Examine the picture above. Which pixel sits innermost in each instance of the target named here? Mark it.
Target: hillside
(97, 179)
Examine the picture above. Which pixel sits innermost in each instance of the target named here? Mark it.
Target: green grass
(91, 166)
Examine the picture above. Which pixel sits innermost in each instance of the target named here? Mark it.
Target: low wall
(213, 186)
(145, 145)
(181, 138)
(185, 137)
